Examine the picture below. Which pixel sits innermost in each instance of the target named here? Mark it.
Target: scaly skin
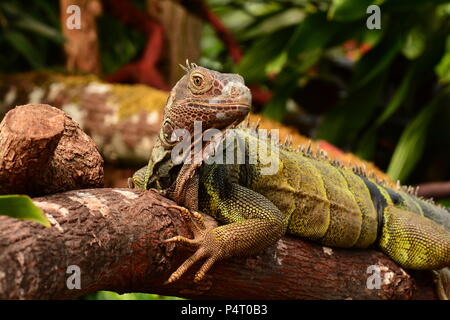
(218, 100)
(309, 197)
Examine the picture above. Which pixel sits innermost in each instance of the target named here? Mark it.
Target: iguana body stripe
(379, 202)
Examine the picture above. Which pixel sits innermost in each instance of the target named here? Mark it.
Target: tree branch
(115, 237)
(435, 190)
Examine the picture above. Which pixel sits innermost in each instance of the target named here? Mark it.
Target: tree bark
(115, 237)
(81, 46)
(44, 151)
(182, 39)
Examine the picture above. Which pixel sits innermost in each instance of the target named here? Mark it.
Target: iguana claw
(202, 240)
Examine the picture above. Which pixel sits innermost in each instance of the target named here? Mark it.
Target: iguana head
(216, 99)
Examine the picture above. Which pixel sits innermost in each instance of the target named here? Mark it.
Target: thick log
(43, 151)
(115, 237)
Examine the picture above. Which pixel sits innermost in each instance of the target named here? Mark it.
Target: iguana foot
(204, 240)
(442, 280)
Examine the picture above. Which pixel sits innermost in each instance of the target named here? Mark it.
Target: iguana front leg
(253, 223)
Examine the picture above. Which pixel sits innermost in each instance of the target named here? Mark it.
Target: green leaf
(314, 32)
(443, 67)
(412, 141)
(277, 64)
(414, 43)
(22, 207)
(278, 21)
(343, 123)
(378, 59)
(253, 66)
(110, 295)
(24, 47)
(347, 10)
(417, 74)
(400, 94)
(22, 19)
(407, 5)
(31, 24)
(366, 145)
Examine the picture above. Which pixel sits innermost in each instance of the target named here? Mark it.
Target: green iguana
(307, 196)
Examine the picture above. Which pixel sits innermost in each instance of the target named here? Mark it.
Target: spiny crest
(254, 126)
(307, 150)
(320, 154)
(189, 66)
(408, 189)
(414, 191)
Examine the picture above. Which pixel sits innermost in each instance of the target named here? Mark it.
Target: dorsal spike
(317, 153)
(309, 149)
(288, 141)
(258, 122)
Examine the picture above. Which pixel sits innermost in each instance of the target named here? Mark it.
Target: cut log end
(42, 151)
(35, 122)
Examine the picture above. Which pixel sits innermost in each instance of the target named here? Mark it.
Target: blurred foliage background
(383, 94)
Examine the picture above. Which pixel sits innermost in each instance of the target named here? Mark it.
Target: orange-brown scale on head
(216, 99)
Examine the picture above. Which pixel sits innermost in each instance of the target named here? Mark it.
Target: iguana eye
(197, 80)
(199, 83)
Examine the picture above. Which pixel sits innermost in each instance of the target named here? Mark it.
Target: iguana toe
(193, 219)
(203, 241)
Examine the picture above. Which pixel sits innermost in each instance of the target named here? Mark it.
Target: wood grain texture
(43, 151)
